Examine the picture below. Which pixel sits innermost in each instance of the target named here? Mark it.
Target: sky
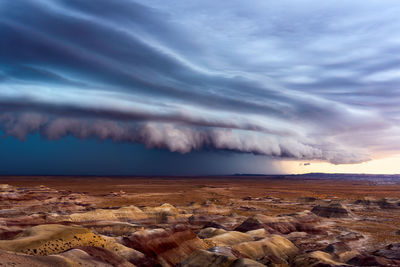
(199, 87)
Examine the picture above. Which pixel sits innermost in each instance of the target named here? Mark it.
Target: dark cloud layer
(310, 80)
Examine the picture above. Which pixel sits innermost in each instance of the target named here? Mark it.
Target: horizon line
(194, 175)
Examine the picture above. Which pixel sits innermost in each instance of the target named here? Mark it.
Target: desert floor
(366, 220)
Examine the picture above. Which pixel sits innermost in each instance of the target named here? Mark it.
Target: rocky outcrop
(391, 251)
(210, 209)
(316, 258)
(168, 246)
(25, 220)
(337, 248)
(112, 228)
(163, 214)
(202, 258)
(256, 222)
(216, 221)
(366, 201)
(103, 255)
(258, 234)
(95, 257)
(307, 199)
(389, 203)
(350, 236)
(341, 251)
(214, 225)
(246, 263)
(52, 239)
(272, 250)
(9, 232)
(166, 213)
(298, 222)
(332, 210)
(229, 239)
(227, 251)
(124, 214)
(70, 258)
(13, 259)
(210, 232)
(365, 259)
(129, 254)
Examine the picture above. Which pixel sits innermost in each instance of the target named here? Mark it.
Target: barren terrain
(198, 221)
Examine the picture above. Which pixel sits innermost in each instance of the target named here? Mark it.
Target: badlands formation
(197, 222)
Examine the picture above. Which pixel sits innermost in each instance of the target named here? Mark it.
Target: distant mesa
(389, 203)
(307, 199)
(332, 210)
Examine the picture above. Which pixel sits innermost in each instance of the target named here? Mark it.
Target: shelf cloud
(309, 80)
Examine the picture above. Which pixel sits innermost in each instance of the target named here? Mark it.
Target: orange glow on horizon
(388, 165)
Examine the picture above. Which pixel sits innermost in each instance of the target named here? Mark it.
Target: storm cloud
(303, 80)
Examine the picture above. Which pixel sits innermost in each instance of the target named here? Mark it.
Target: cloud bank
(306, 80)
